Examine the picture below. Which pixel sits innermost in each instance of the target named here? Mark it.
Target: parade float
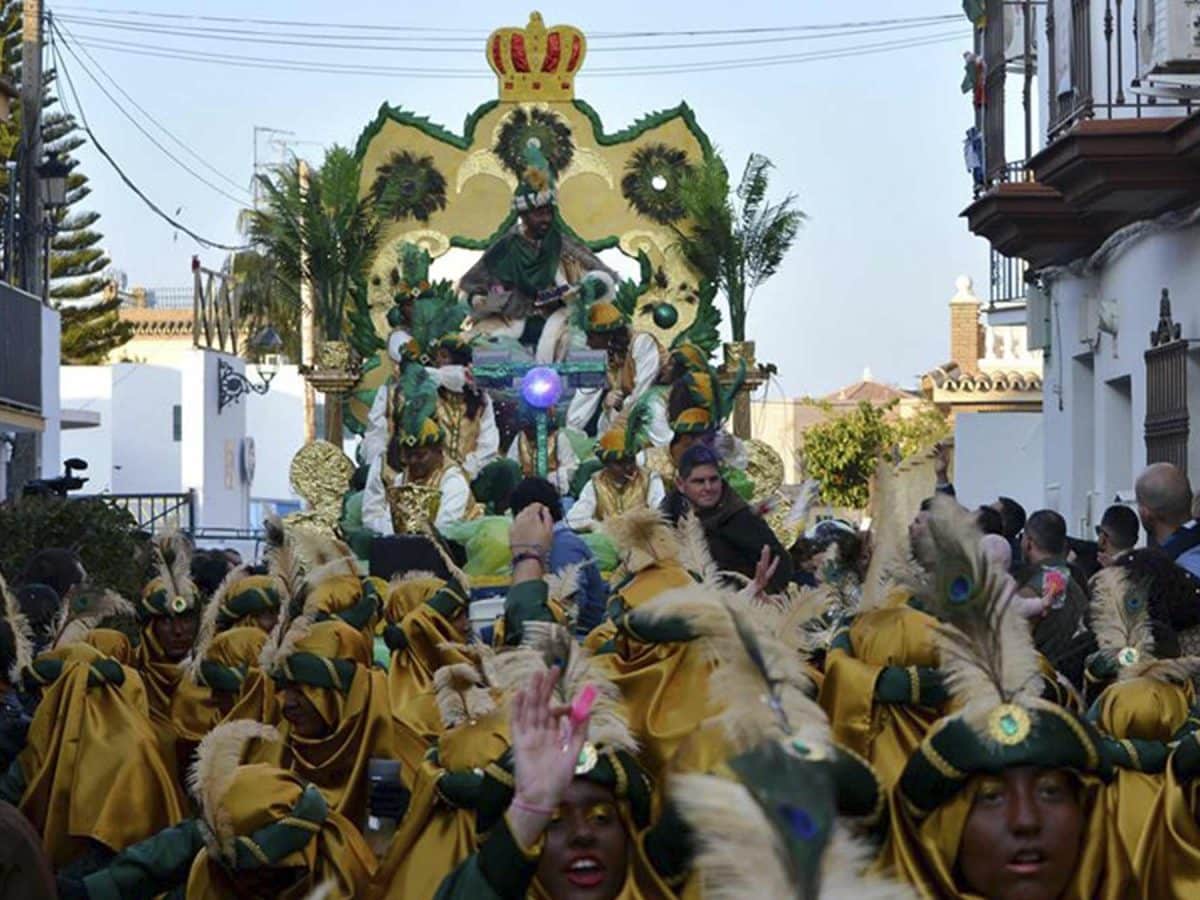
(448, 194)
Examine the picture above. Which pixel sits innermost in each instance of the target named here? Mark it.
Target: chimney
(966, 334)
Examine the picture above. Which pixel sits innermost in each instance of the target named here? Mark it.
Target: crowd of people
(960, 703)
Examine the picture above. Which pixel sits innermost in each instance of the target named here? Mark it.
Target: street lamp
(232, 385)
(52, 186)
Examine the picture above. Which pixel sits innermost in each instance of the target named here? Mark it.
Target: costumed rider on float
(561, 458)
(433, 341)
(414, 482)
(622, 484)
(635, 364)
(522, 285)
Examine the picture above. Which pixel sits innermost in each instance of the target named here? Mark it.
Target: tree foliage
(841, 452)
(91, 327)
(336, 228)
(105, 536)
(736, 240)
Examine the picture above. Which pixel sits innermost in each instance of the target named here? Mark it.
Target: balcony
(20, 354)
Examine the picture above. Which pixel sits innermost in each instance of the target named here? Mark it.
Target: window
(177, 423)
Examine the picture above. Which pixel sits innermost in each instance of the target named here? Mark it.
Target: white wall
(146, 458)
(276, 422)
(1095, 445)
(998, 455)
(51, 407)
(212, 443)
(89, 388)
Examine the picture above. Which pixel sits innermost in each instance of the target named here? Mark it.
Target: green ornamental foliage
(338, 230)
(841, 452)
(105, 536)
(736, 240)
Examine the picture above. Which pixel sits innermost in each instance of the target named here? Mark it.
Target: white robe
(452, 378)
(377, 515)
(646, 363)
(582, 515)
(568, 462)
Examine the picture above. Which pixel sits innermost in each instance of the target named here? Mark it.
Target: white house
(1104, 212)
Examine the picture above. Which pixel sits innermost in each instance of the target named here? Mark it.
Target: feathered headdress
(282, 560)
(642, 537)
(21, 634)
(171, 591)
(628, 434)
(418, 415)
(434, 318)
(891, 560)
(1121, 623)
(545, 645)
(217, 761)
(462, 693)
(746, 847)
(86, 606)
(208, 621)
(986, 648)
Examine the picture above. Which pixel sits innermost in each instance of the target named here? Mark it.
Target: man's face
(302, 715)
(176, 634)
(420, 462)
(621, 471)
(537, 221)
(598, 340)
(442, 357)
(702, 487)
(1023, 835)
(587, 849)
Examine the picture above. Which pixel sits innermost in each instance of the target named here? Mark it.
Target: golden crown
(536, 63)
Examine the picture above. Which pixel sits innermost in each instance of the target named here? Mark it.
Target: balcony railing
(1083, 98)
(20, 350)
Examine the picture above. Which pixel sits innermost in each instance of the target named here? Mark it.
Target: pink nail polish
(582, 707)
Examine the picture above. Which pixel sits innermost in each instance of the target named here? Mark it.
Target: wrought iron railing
(1007, 279)
(1114, 99)
(155, 512)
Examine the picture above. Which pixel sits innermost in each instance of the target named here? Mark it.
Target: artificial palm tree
(316, 229)
(736, 240)
(322, 232)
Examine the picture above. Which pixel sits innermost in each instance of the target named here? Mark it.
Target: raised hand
(546, 746)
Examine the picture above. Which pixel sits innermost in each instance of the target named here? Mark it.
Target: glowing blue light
(541, 387)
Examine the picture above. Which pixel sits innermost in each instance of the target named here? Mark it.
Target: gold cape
(884, 734)
(925, 853)
(336, 857)
(435, 837)
(194, 710)
(1139, 709)
(92, 764)
(1168, 856)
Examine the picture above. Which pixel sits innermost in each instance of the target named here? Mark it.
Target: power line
(175, 223)
(323, 67)
(138, 125)
(182, 144)
(330, 42)
(414, 29)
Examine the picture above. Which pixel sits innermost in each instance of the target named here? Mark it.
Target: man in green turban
(521, 285)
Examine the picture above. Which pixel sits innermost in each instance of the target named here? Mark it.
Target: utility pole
(30, 148)
(308, 329)
(26, 447)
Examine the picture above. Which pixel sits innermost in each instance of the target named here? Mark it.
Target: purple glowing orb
(541, 387)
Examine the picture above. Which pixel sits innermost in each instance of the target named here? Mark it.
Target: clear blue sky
(870, 145)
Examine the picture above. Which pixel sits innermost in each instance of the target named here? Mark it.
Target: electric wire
(324, 67)
(154, 207)
(330, 42)
(416, 29)
(241, 201)
(145, 112)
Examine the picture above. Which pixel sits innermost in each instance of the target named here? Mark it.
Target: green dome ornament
(665, 316)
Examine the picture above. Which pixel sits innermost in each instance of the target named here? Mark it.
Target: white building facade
(1105, 212)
